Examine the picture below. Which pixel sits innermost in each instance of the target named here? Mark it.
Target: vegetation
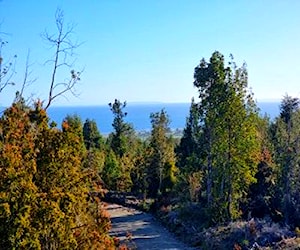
(230, 163)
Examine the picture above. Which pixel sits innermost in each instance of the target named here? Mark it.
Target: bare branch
(7, 68)
(27, 74)
(64, 49)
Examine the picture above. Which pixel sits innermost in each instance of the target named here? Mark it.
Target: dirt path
(142, 228)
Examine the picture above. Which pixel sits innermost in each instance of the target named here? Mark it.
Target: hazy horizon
(137, 51)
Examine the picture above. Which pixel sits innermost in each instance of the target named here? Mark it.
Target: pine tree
(122, 129)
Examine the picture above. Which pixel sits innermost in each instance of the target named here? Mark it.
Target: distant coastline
(139, 114)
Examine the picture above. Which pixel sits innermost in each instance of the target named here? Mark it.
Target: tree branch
(64, 48)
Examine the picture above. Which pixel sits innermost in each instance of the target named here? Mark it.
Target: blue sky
(146, 51)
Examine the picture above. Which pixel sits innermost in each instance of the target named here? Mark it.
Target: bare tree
(64, 49)
(7, 68)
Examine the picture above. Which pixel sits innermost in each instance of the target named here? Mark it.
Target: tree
(64, 48)
(263, 193)
(92, 136)
(229, 145)
(138, 172)
(188, 155)
(188, 147)
(286, 138)
(161, 159)
(122, 129)
(122, 141)
(18, 192)
(112, 171)
(44, 194)
(209, 79)
(7, 70)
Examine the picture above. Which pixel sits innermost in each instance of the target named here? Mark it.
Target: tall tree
(122, 129)
(228, 140)
(286, 138)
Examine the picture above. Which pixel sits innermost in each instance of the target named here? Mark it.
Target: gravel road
(141, 230)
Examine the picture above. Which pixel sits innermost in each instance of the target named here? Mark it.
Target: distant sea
(139, 114)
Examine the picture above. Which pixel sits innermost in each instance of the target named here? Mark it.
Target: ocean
(139, 114)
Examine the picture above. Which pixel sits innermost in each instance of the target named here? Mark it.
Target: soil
(140, 230)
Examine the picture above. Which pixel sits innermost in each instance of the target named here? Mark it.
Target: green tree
(112, 171)
(122, 142)
(188, 147)
(138, 173)
(92, 136)
(229, 143)
(122, 130)
(263, 193)
(161, 158)
(286, 137)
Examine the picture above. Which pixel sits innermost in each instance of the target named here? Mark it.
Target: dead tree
(64, 50)
(7, 68)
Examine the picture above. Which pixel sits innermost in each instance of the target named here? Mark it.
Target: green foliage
(286, 136)
(91, 134)
(161, 157)
(188, 148)
(122, 130)
(262, 194)
(111, 171)
(221, 135)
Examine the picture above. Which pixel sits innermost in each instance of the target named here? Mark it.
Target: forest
(230, 164)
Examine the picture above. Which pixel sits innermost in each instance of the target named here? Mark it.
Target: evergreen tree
(263, 193)
(92, 136)
(18, 192)
(286, 137)
(229, 143)
(161, 159)
(122, 130)
(188, 148)
(44, 193)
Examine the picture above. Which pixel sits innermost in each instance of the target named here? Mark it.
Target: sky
(146, 50)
